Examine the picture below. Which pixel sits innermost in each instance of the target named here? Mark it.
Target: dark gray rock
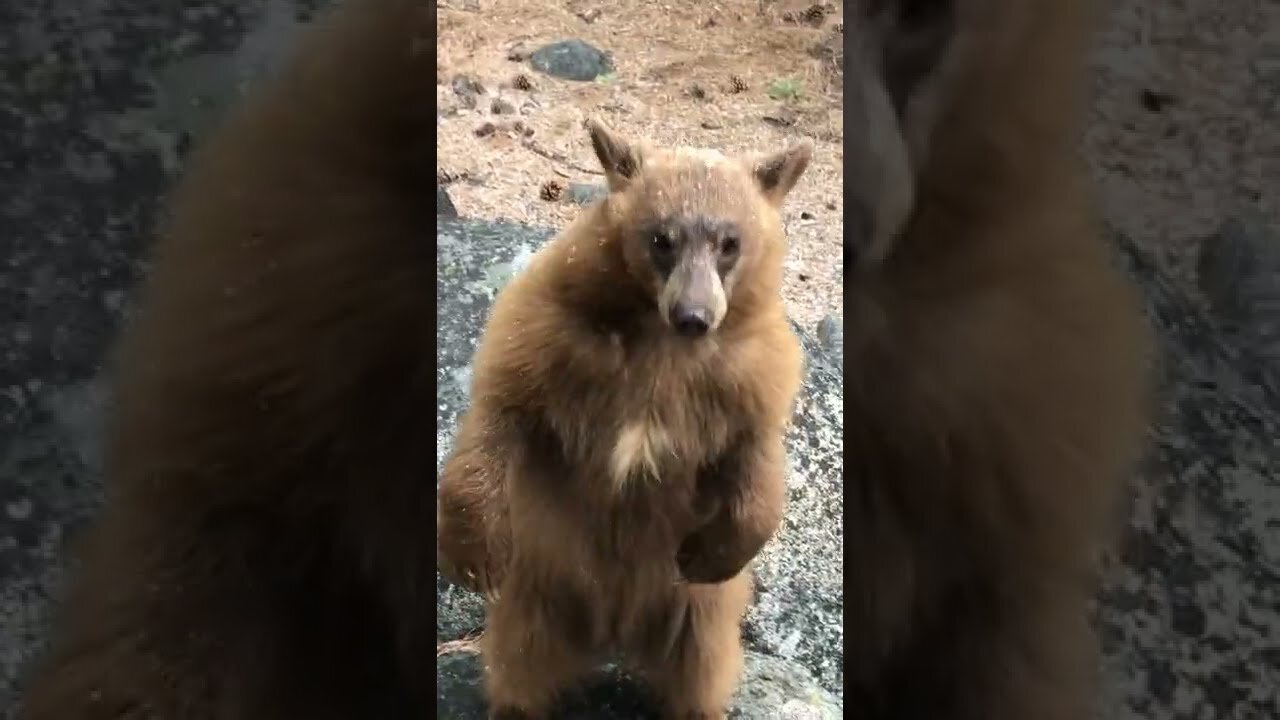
(1239, 273)
(468, 90)
(586, 193)
(571, 60)
(831, 335)
(459, 687)
(444, 205)
(459, 613)
(49, 488)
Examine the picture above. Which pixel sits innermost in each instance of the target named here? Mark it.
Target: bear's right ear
(619, 159)
(910, 38)
(896, 79)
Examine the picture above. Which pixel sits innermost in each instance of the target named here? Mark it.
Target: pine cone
(737, 84)
(551, 191)
(522, 82)
(815, 14)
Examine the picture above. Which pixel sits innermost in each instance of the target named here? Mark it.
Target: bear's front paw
(705, 561)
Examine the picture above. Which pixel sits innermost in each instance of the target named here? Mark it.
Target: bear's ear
(910, 38)
(619, 159)
(895, 79)
(777, 173)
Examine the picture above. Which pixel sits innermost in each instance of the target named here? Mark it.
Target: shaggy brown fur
(264, 552)
(613, 478)
(996, 368)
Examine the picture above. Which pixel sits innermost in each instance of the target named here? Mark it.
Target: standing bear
(996, 364)
(622, 460)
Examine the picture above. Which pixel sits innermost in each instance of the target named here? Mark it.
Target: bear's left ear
(776, 174)
(619, 158)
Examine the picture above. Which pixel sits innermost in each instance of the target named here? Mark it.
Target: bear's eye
(662, 242)
(729, 246)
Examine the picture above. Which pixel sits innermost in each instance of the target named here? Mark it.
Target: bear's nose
(690, 321)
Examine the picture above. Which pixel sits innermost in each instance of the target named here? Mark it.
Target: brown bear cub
(995, 360)
(264, 551)
(622, 461)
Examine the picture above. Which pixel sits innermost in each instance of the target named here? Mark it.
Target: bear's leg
(698, 675)
(535, 645)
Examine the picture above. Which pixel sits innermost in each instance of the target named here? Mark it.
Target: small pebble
(467, 89)
(782, 117)
(1154, 101)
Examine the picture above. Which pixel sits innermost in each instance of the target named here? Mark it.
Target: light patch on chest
(640, 448)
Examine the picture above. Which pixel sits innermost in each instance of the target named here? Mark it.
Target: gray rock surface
(571, 60)
(586, 193)
(796, 624)
(468, 89)
(1239, 273)
(1190, 616)
(100, 100)
(831, 335)
(444, 204)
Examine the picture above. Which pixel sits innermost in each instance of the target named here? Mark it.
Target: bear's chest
(665, 429)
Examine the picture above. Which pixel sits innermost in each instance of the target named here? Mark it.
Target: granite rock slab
(1190, 615)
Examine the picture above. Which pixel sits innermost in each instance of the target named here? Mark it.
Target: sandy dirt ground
(734, 75)
(1185, 130)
